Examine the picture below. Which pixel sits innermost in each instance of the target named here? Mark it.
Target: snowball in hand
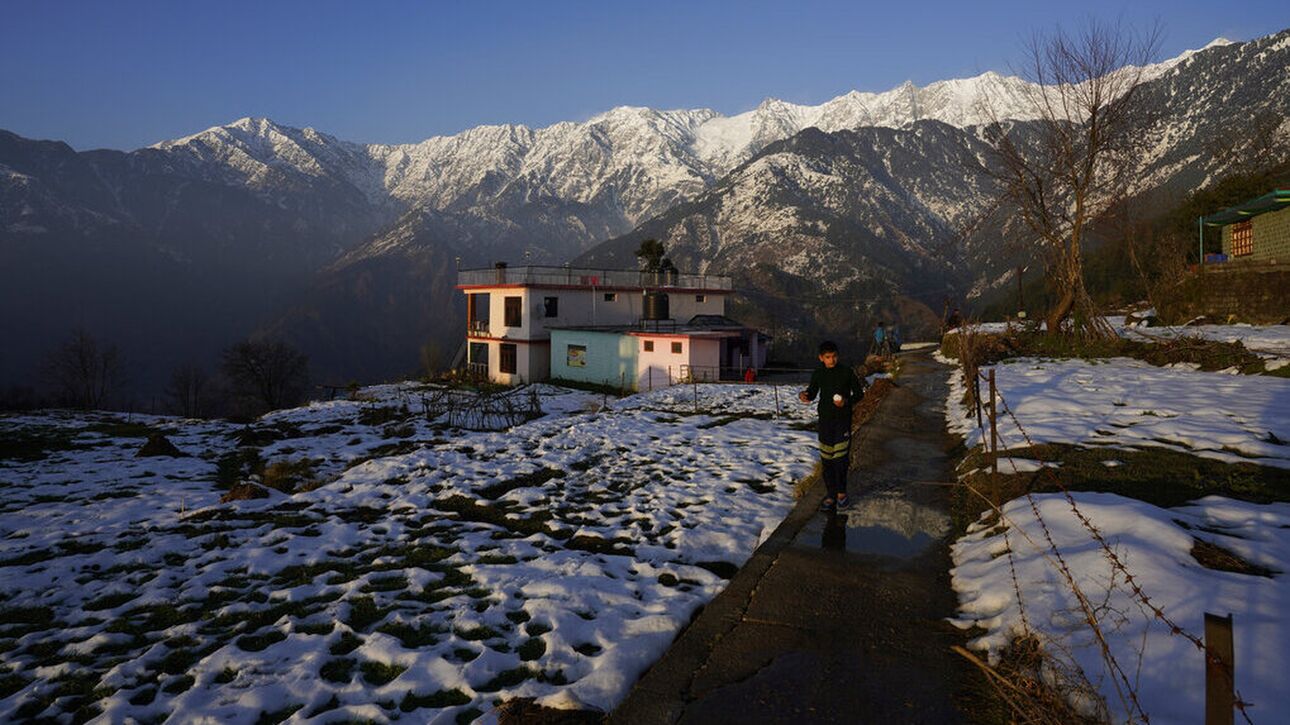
(837, 397)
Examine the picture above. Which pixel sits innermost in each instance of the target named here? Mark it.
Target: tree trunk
(1060, 311)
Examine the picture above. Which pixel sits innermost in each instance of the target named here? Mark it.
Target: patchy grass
(363, 613)
(534, 479)
(1158, 476)
(289, 475)
(440, 699)
(507, 678)
(277, 716)
(347, 643)
(990, 348)
(413, 637)
(1212, 556)
(339, 670)
(532, 649)
(380, 673)
(109, 601)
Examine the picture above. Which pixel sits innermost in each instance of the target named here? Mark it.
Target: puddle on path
(886, 524)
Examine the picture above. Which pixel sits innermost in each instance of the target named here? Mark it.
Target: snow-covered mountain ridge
(639, 160)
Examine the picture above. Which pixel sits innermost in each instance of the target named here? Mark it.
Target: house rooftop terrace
(591, 278)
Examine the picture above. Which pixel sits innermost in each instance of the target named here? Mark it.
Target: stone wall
(1253, 293)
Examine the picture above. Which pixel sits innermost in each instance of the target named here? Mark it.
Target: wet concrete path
(836, 618)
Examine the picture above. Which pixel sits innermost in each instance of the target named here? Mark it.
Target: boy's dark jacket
(826, 382)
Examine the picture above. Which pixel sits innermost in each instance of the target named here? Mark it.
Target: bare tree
(188, 391)
(83, 371)
(1079, 156)
(270, 372)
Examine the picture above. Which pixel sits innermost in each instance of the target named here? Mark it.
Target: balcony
(588, 277)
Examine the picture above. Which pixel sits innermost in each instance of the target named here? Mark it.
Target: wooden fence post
(695, 382)
(777, 411)
(994, 429)
(1220, 671)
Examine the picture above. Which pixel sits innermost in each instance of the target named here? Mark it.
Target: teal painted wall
(610, 357)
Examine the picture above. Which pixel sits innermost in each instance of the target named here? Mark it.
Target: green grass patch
(475, 634)
(340, 670)
(507, 678)
(532, 649)
(347, 643)
(179, 685)
(363, 613)
(108, 601)
(440, 699)
(528, 480)
(277, 716)
(587, 649)
(380, 673)
(412, 637)
(259, 642)
(386, 584)
(468, 510)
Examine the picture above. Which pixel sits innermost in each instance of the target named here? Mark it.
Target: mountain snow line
(1117, 563)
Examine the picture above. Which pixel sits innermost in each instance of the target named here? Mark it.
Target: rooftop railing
(589, 277)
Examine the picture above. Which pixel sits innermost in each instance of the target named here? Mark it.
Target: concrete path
(836, 618)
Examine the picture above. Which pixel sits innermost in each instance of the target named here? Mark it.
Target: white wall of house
(657, 367)
(578, 307)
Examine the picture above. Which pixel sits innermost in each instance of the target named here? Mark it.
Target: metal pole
(994, 430)
(1220, 672)
(776, 388)
(695, 382)
(1200, 226)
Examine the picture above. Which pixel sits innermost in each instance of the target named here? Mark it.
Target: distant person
(750, 375)
(954, 321)
(893, 337)
(838, 389)
(881, 341)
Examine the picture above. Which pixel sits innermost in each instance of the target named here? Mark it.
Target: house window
(649, 346)
(1242, 239)
(611, 296)
(576, 356)
(676, 348)
(513, 312)
(506, 358)
(551, 306)
(700, 298)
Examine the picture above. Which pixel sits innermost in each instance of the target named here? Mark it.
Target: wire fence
(1126, 691)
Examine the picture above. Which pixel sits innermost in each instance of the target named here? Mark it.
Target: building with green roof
(1254, 230)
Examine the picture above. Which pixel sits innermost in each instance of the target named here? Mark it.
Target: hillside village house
(625, 328)
(1254, 230)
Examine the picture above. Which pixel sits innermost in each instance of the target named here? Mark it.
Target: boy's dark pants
(835, 454)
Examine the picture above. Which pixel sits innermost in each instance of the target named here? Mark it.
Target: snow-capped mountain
(240, 222)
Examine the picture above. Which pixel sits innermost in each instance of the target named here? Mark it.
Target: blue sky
(125, 74)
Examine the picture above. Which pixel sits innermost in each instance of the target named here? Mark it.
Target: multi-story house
(511, 311)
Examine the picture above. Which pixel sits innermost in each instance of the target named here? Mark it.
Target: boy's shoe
(827, 504)
(844, 502)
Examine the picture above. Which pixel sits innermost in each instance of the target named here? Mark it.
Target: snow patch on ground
(1155, 545)
(1121, 402)
(554, 560)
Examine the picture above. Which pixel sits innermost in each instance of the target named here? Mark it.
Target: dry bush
(289, 475)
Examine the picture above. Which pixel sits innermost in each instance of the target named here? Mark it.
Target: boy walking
(838, 389)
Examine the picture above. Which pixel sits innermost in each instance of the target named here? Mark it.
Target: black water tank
(655, 307)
